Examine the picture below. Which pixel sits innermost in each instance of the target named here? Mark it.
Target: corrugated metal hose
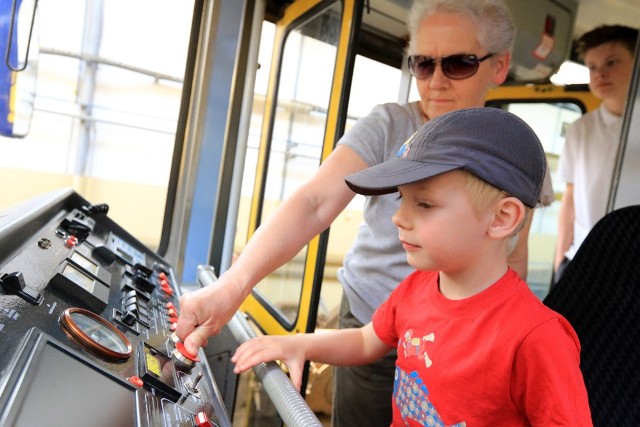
(291, 407)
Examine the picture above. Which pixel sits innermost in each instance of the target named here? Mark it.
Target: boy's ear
(508, 218)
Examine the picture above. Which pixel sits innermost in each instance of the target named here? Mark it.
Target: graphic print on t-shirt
(410, 394)
(412, 399)
(417, 346)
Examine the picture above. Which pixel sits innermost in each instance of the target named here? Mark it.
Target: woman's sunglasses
(455, 67)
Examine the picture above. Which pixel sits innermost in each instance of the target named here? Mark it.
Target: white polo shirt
(587, 161)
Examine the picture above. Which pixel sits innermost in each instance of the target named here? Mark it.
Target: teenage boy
(591, 145)
(475, 346)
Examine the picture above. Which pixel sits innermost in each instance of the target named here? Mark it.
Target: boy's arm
(566, 218)
(335, 347)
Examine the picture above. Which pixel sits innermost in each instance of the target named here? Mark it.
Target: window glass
(106, 104)
(298, 133)
(549, 121)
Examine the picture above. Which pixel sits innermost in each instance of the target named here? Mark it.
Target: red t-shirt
(498, 358)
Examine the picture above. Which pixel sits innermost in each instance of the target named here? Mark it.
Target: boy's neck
(468, 283)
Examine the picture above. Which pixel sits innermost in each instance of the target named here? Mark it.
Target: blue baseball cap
(496, 146)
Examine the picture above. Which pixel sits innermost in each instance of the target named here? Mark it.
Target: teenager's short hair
(622, 34)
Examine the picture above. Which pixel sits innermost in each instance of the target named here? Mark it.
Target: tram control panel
(87, 315)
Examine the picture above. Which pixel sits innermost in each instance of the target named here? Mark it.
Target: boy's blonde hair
(484, 195)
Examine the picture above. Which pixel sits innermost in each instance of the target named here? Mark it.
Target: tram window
(549, 120)
(296, 141)
(107, 99)
(369, 74)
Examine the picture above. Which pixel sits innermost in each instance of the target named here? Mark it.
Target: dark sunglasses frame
(455, 67)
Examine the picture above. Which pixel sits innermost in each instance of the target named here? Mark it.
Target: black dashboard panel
(86, 319)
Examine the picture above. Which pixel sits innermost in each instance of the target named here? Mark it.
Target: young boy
(475, 346)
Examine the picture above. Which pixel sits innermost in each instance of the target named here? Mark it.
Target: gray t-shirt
(376, 262)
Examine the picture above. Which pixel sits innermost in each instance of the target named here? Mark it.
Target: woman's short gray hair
(492, 19)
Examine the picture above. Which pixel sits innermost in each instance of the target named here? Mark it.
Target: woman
(459, 49)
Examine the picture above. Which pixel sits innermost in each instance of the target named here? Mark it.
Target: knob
(174, 338)
(14, 283)
(182, 358)
(128, 318)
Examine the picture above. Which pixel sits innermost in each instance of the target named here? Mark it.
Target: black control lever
(14, 283)
(78, 224)
(101, 208)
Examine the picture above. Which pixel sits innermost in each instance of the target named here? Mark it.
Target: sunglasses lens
(456, 67)
(422, 67)
(459, 67)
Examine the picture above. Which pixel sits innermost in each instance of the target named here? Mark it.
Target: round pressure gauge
(96, 334)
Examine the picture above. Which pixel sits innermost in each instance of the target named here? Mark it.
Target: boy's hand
(287, 349)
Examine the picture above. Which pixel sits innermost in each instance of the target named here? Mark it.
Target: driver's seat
(599, 293)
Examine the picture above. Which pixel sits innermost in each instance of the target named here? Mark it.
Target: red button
(170, 305)
(180, 347)
(162, 276)
(173, 319)
(202, 420)
(136, 381)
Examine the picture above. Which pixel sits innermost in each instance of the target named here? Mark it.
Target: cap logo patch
(404, 150)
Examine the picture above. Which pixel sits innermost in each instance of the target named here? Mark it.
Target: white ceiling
(592, 13)
(391, 14)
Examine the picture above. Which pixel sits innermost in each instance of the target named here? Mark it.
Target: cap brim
(384, 178)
